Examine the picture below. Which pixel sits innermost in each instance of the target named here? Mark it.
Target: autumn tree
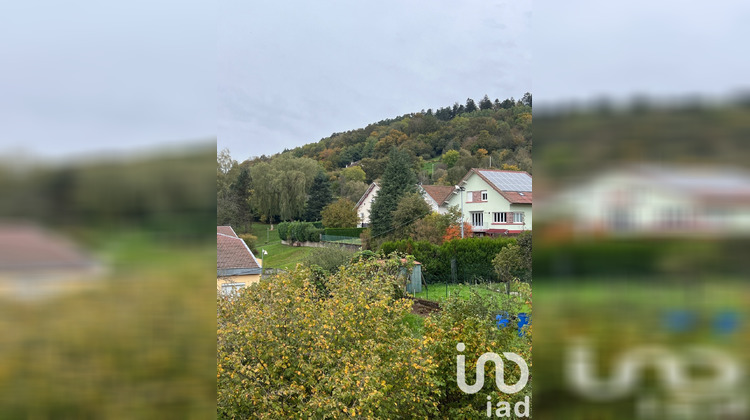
(450, 158)
(411, 207)
(340, 214)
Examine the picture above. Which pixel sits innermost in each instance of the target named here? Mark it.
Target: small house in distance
(364, 205)
(236, 266)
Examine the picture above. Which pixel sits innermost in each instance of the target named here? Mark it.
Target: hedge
(299, 232)
(473, 257)
(348, 232)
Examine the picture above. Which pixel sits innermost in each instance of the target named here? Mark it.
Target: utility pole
(462, 210)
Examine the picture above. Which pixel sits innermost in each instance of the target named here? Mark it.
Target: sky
(81, 77)
(664, 49)
(291, 74)
(85, 78)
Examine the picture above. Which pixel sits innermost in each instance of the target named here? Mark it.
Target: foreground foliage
(311, 345)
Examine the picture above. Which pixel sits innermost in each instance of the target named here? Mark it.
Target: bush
(251, 241)
(329, 258)
(283, 229)
(299, 231)
(285, 352)
(473, 257)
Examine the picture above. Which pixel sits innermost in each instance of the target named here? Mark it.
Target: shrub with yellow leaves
(287, 351)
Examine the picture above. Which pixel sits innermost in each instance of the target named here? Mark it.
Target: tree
(353, 190)
(508, 264)
(485, 103)
(240, 193)
(411, 207)
(526, 100)
(524, 242)
(320, 196)
(265, 194)
(433, 227)
(397, 180)
(340, 214)
(470, 105)
(353, 173)
(450, 158)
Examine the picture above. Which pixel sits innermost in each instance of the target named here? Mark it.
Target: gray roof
(507, 180)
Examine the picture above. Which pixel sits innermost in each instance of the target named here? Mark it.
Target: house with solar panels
(495, 202)
(656, 200)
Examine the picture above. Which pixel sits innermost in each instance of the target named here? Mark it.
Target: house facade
(364, 205)
(494, 202)
(236, 266)
(435, 196)
(651, 200)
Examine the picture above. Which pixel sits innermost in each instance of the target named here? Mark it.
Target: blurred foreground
(137, 340)
(640, 261)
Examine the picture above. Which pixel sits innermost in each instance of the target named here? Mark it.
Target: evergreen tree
(240, 193)
(470, 105)
(320, 196)
(526, 99)
(485, 103)
(397, 180)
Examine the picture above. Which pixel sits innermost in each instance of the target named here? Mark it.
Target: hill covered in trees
(442, 146)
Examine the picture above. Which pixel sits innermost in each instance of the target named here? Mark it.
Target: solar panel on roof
(509, 181)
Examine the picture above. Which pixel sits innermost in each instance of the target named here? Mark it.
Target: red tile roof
(226, 230)
(233, 253)
(515, 197)
(439, 193)
(29, 247)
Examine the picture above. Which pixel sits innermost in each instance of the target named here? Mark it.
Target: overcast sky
(80, 77)
(617, 49)
(291, 74)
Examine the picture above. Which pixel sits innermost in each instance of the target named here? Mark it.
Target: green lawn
(438, 292)
(279, 255)
(284, 256)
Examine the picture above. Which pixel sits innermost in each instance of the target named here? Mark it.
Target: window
(231, 288)
(484, 195)
(518, 217)
(477, 219)
(499, 217)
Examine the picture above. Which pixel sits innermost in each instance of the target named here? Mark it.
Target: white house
(651, 200)
(364, 205)
(494, 202)
(435, 196)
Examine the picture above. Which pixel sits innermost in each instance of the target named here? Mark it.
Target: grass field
(440, 291)
(279, 255)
